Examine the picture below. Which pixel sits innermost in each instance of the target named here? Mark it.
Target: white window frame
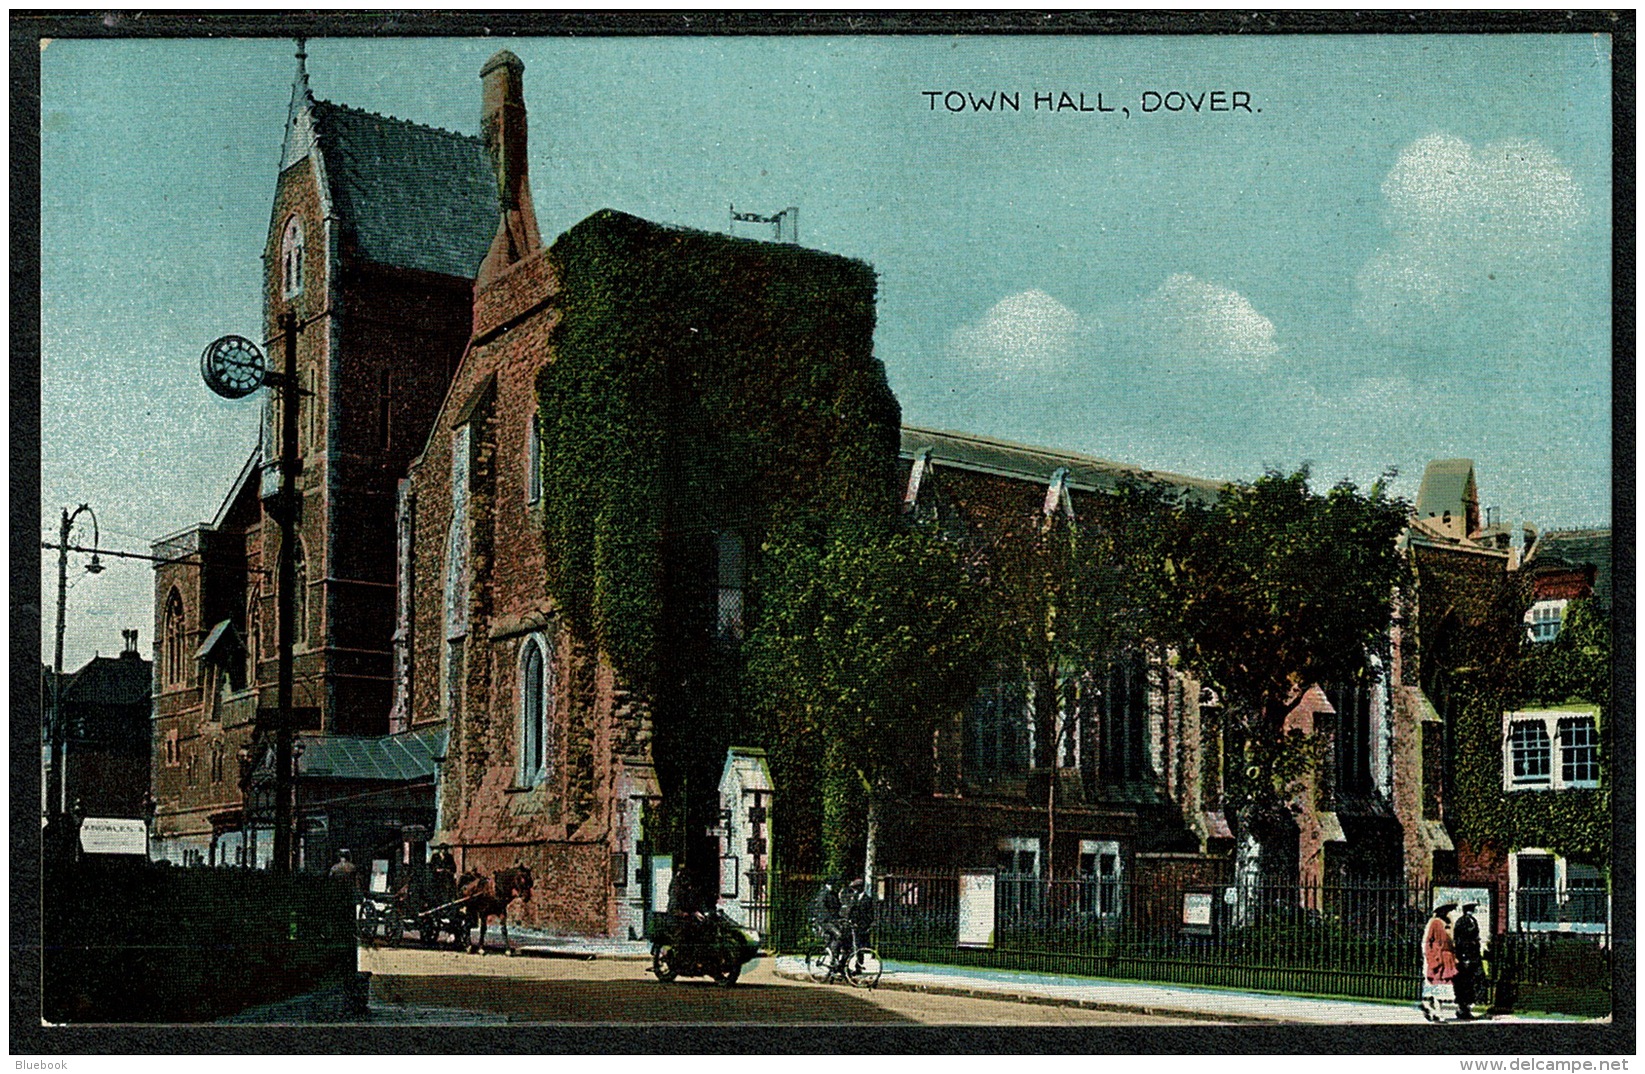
(1541, 615)
(1549, 720)
(1016, 845)
(1561, 895)
(1104, 848)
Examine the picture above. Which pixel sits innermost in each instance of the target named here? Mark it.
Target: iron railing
(1355, 940)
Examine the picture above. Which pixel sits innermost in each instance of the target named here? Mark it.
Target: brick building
(106, 716)
(376, 230)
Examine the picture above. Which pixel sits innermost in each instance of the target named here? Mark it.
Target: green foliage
(700, 385)
(1575, 667)
(870, 635)
(1278, 588)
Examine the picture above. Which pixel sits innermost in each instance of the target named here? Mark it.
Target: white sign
(379, 875)
(662, 875)
(976, 909)
(113, 835)
(1196, 908)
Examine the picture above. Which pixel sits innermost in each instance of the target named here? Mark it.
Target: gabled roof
(1004, 459)
(1579, 548)
(1447, 485)
(409, 196)
(399, 758)
(110, 680)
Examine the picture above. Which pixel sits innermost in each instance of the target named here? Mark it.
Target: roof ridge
(1054, 453)
(403, 122)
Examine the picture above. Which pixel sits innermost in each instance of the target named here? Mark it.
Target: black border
(29, 1037)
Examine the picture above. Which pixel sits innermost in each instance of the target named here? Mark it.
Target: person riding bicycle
(858, 917)
(826, 919)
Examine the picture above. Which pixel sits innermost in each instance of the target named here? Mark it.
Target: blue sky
(1399, 253)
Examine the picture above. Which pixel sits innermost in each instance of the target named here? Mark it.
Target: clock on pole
(233, 367)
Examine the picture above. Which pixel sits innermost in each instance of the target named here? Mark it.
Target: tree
(1279, 588)
(868, 636)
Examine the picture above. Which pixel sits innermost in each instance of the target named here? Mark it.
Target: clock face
(233, 367)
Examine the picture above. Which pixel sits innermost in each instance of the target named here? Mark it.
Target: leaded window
(536, 713)
(175, 641)
(1531, 752)
(1578, 750)
(291, 258)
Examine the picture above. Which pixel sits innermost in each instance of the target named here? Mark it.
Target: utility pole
(286, 515)
(59, 728)
(234, 367)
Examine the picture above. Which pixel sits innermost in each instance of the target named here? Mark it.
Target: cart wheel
(728, 976)
(394, 926)
(365, 922)
(816, 966)
(662, 963)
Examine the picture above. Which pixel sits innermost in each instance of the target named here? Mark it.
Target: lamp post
(234, 367)
(59, 728)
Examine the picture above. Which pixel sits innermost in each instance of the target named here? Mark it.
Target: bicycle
(859, 968)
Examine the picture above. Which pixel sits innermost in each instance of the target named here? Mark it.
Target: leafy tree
(868, 635)
(1278, 588)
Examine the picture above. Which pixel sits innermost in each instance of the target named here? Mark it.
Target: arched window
(536, 712)
(534, 459)
(291, 258)
(175, 641)
(299, 596)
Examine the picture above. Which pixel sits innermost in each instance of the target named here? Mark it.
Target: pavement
(1134, 997)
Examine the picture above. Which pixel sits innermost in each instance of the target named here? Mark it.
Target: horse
(487, 897)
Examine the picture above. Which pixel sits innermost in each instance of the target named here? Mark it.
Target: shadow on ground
(638, 1002)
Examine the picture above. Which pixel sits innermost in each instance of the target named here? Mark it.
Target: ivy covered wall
(1477, 665)
(703, 386)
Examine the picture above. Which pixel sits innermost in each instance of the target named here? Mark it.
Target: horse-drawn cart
(384, 918)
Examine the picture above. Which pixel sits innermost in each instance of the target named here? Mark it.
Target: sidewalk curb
(1058, 1001)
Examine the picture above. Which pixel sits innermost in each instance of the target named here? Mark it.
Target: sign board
(976, 909)
(728, 876)
(1196, 911)
(716, 833)
(662, 875)
(379, 875)
(114, 835)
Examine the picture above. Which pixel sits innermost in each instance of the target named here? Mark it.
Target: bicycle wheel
(816, 966)
(863, 968)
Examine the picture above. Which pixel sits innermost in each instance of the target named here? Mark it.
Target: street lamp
(59, 730)
(234, 367)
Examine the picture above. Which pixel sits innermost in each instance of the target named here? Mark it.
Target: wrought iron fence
(1359, 940)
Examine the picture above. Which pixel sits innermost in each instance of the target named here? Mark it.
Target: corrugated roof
(1005, 459)
(394, 758)
(1445, 487)
(410, 196)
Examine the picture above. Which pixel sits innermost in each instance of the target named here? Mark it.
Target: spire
(299, 117)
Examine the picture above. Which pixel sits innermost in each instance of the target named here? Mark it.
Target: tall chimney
(503, 124)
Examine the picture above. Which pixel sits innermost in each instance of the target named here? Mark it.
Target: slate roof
(408, 195)
(1004, 459)
(1445, 487)
(399, 758)
(1580, 547)
(110, 680)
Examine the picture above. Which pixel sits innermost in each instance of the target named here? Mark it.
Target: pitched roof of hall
(111, 680)
(409, 196)
(965, 451)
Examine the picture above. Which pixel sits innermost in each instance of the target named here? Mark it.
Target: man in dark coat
(826, 919)
(1465, 945)
(859, 914)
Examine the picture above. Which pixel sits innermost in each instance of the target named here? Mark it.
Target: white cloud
(1026, 333)
(1195, 321)
(1493, 220)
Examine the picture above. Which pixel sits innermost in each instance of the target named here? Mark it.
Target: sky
(1358, 253)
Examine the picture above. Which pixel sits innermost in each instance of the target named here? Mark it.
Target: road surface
(621, 991)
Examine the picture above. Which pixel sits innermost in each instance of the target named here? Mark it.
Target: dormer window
(291, 259)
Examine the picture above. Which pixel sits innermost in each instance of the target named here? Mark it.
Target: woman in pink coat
(1439, 961)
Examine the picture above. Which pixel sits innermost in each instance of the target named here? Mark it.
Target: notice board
(976, 909)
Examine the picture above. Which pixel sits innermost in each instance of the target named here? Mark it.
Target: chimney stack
(130, 637)
(503, 125)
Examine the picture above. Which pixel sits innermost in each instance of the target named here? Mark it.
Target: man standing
(1465, 946)
(344, 869)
